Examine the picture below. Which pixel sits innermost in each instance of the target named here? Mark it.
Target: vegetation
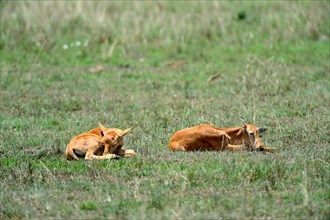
(155, 62)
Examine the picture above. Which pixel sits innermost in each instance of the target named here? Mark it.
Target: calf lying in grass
(99, 143)
(210, 138)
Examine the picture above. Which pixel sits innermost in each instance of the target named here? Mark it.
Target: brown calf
(210, 138)
(99, 143)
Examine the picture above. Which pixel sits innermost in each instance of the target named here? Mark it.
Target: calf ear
(123, 133)
(102, 128)
(262, 130)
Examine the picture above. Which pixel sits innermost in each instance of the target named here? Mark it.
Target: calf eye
(251, 133)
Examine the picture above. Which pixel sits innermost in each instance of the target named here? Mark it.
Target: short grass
(273, 58)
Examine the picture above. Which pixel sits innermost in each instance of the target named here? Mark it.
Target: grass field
(157, 58)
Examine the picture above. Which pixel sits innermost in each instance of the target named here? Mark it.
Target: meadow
(156, 61)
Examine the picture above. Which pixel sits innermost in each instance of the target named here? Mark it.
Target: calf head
(112, 138)
(250, 136)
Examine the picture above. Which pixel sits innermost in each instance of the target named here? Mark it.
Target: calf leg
(106, 157)
(174, 146)
(129, 153)
(125, 153)
(268, 149)
(231, 147)
(90, 156)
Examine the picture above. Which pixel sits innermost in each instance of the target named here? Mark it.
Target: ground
(65, 66)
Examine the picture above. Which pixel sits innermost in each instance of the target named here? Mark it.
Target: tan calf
(99, 143)
(210, 138)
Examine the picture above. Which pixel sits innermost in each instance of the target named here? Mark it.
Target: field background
(157, 58)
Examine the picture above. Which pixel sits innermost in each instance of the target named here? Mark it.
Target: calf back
(202, 137)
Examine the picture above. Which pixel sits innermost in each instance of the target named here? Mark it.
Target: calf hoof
(268, 149)
(117, 157)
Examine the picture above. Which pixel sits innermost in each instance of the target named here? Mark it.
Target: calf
(210, 138)
(99, 143)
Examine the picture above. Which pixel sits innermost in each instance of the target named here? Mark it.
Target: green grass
(275, 72)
